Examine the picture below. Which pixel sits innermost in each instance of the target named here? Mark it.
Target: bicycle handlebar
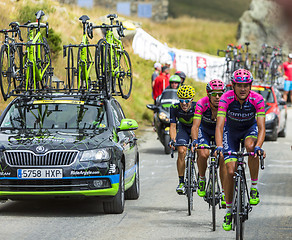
(246, 154)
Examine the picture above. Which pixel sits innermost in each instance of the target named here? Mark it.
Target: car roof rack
(57, 93)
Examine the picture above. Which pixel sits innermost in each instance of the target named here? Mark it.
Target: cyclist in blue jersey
(244, 111)
(182, 114)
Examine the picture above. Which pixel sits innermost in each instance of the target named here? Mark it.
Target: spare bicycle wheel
(125, 77)
(5, 74)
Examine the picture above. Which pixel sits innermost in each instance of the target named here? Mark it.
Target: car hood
(57, 140)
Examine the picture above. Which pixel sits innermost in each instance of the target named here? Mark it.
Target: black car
(68, 147)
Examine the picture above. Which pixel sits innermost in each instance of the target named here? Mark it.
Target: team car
(68, 147)
(276, 111)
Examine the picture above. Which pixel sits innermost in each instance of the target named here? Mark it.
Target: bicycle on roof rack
(84, 63)
(37, 61)
(113, 64)
(11, 66)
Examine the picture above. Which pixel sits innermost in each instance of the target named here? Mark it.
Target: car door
(127, 140)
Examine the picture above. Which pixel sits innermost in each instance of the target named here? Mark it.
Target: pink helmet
(242, 76)
(215, 84)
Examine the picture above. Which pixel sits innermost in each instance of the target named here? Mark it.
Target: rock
(264, 22)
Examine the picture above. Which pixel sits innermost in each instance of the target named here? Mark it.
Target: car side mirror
(152, 107)
(282, 102)
(127, 125)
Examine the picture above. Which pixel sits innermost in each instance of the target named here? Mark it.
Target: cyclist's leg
(253, 163)
(182, 137)
(231, 140)
(203, 154)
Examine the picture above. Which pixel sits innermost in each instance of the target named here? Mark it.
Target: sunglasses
(214, 94)
(239, 79)
(185, 100)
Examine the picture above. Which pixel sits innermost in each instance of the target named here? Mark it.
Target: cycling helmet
(174, 78)
(181, 74)
(186, 92)
(242, 76)
(215, 84)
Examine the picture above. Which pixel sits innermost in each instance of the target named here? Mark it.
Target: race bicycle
(191, 176)
(213, 191)
(240, 205)
(37, 61)
(11, 65)
(85, 79)
(113, 64)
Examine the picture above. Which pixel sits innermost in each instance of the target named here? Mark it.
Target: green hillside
(223, 10)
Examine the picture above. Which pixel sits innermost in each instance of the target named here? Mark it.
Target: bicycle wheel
(18, 66)
(213, 203)
(98, 61)
(239, 211)
(107, 72)
(5, 74)
(70, 70)
(125, 78)
(189, 185)
(44, 65)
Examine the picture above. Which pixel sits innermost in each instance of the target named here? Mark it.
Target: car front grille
(29, 158)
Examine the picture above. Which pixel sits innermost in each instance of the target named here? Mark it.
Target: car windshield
(266, 93)
(55, 114)
(169, 96)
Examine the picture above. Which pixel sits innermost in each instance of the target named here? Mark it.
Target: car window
(266, 93)
(117, 112)
(55, 116)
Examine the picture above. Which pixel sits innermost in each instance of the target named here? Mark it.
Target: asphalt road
(159, 213)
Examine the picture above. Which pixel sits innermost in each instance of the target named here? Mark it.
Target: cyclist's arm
(195, 128)
(219, 131)
(261, 131)
(172, 131)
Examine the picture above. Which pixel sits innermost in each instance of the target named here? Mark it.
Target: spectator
(157, 69)
(174, 82)
(288, 78)
(161, 82)
(182, 76)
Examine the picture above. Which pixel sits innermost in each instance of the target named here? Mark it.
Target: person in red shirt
(161, 82)
(288, 77)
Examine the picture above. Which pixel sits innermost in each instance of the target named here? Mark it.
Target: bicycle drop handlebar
(241, 154)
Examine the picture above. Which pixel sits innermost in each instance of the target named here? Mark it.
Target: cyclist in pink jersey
(203, 130)
(244, 111)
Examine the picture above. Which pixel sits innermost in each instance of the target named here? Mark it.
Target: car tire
(274, 134)
(283, 132)
(116, 206)
(133, 192)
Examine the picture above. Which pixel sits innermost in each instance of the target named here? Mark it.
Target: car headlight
(163, 117)
(96, 155)
(270, 117)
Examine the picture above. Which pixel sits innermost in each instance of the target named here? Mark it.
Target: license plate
(39, 173)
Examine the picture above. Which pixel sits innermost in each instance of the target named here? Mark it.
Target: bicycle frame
(83, 71)
(33, 49)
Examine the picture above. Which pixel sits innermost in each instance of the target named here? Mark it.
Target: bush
(27, 12)
(54, 41)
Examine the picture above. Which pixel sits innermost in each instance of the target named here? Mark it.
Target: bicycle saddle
(112, 16)
(84, 18)
(35, 24)
(14, 24)
(39, 14)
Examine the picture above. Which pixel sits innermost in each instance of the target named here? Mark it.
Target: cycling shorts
(183, 134)
(287, 85)
(204, 136)
(232, 138)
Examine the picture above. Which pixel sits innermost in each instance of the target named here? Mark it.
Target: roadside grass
(182, 33)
